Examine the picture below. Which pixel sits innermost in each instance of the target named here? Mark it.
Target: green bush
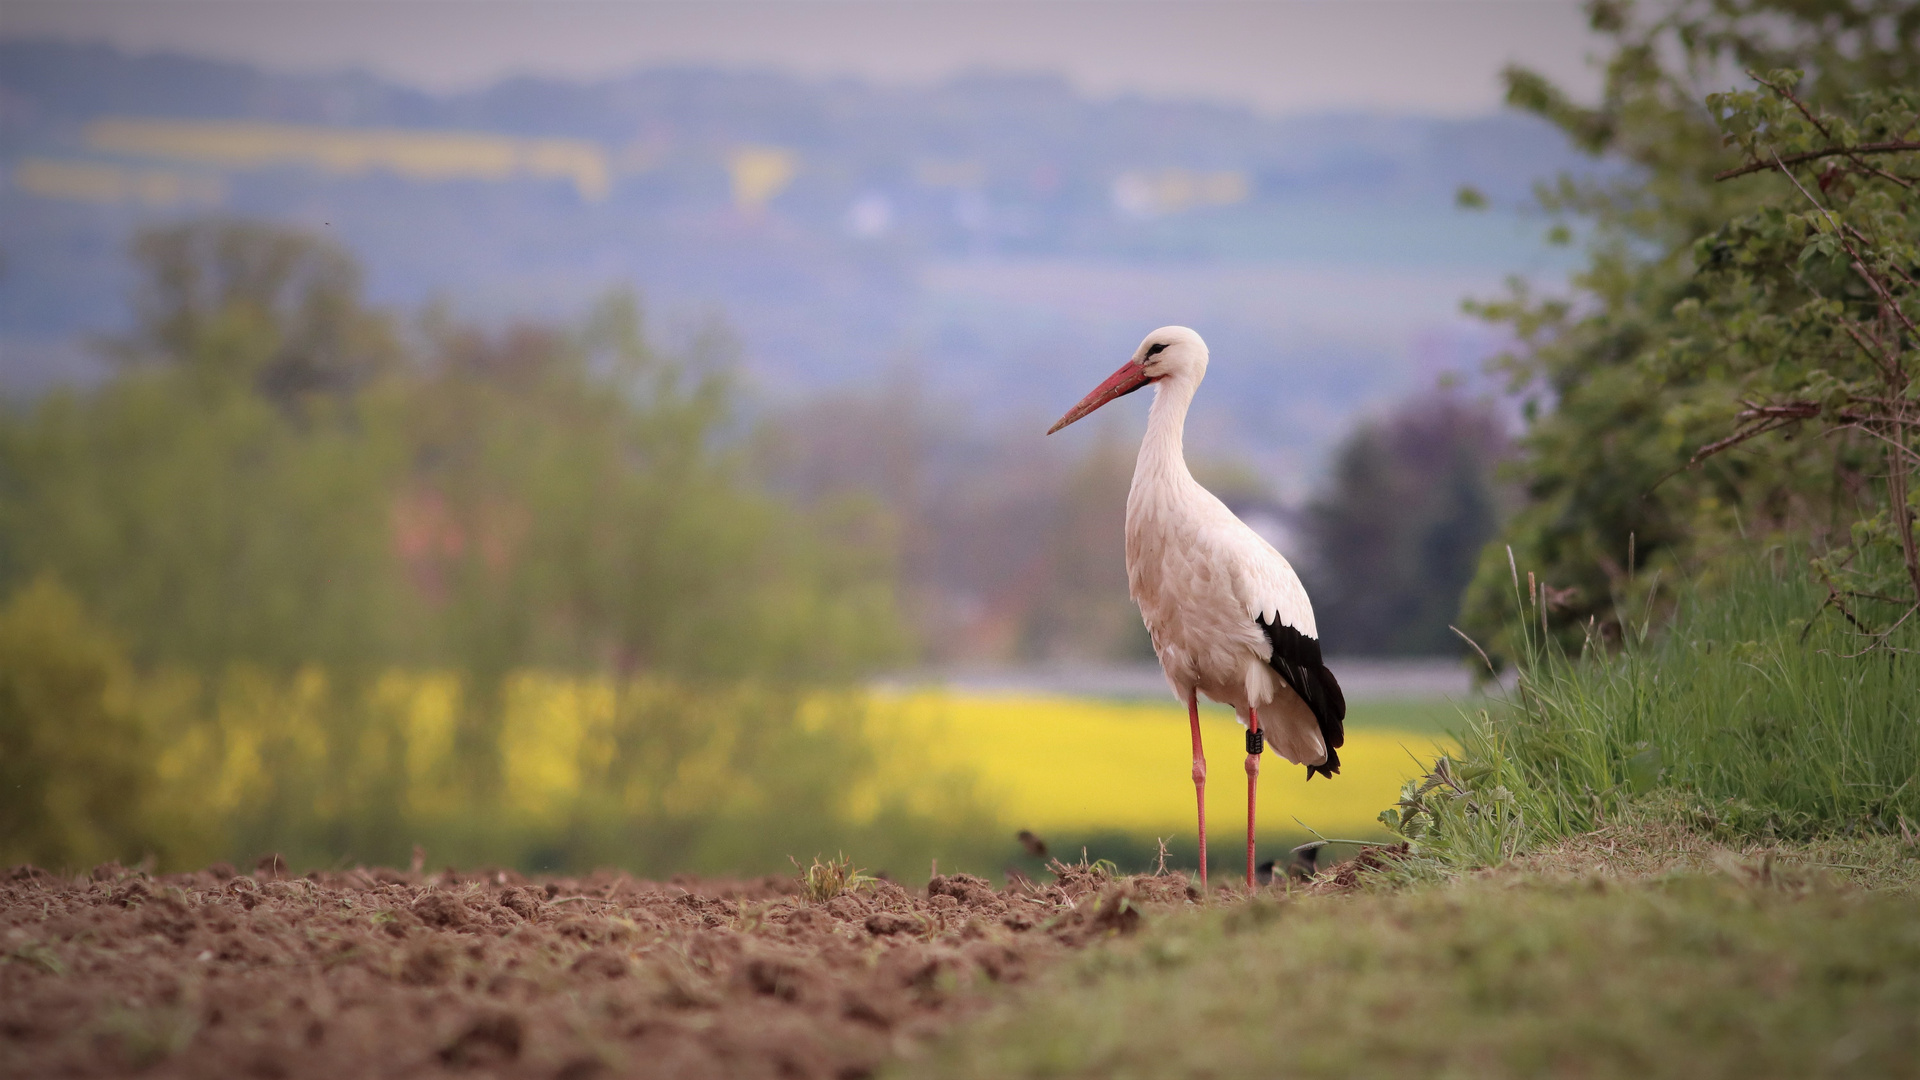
(76, 778)
(1716, 305)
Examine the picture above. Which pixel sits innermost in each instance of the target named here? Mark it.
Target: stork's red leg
(1199, 781)
(1254, 745)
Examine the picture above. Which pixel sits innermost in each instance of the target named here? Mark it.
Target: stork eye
(1155, 350)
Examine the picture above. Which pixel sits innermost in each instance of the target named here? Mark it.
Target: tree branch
(1897, 147)
(1888, 366)
(1888, 303)
(1762, 418)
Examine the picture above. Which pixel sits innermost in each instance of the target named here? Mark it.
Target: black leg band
(1256, 742)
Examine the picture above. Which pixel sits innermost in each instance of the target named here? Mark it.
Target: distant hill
(1004, 235)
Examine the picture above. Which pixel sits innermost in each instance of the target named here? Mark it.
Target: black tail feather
(1297, 658)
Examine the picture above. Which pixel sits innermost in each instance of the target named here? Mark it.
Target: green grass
(1765, 965)
(1748, 709)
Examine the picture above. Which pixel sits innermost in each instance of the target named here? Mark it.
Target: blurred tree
(1610, 434)
(569, 507)
(202, 523)
(1076, 589)
(75, 757)
(302, 292)
(1396, 531)
(572, 503)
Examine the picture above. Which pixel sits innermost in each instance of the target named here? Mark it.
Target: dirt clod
(441, 910)
(604, 963)
(1372, 857)
(520, 903)
(884, 923)
(965, 888)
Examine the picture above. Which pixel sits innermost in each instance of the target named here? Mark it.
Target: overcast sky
(1430, 56)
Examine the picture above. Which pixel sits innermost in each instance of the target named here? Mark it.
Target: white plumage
(1228, 615)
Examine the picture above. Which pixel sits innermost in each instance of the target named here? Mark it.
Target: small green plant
(828, 878)
(1461, 813)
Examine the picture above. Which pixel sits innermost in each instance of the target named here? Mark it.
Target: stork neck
(1162, 450)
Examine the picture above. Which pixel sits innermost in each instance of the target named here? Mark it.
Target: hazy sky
(1429, 56)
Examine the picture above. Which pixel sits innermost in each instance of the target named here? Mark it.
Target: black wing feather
(1297, 658)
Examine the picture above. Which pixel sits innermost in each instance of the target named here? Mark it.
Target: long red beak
(1129, 378)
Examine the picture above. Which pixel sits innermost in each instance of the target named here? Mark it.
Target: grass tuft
(1750, 714)
(828, 878)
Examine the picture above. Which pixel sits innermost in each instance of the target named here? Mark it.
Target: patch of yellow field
(1077, 765)
(418, 155)
(1062, 766)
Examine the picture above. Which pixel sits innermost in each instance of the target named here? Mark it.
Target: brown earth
(380, 973)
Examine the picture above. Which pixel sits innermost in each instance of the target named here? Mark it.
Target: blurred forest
(283, 582)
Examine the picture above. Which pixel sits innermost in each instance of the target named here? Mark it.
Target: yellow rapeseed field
(570, 746)
(1048, 763)
(1073, 765)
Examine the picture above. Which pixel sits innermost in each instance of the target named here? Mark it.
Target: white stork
(1228, 616)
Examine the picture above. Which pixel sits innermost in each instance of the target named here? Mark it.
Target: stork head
(1171, 352)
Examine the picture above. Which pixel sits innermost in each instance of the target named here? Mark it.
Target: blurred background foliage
(1397, 529)
(280, 582)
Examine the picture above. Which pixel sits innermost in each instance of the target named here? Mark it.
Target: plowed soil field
(379, 973)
